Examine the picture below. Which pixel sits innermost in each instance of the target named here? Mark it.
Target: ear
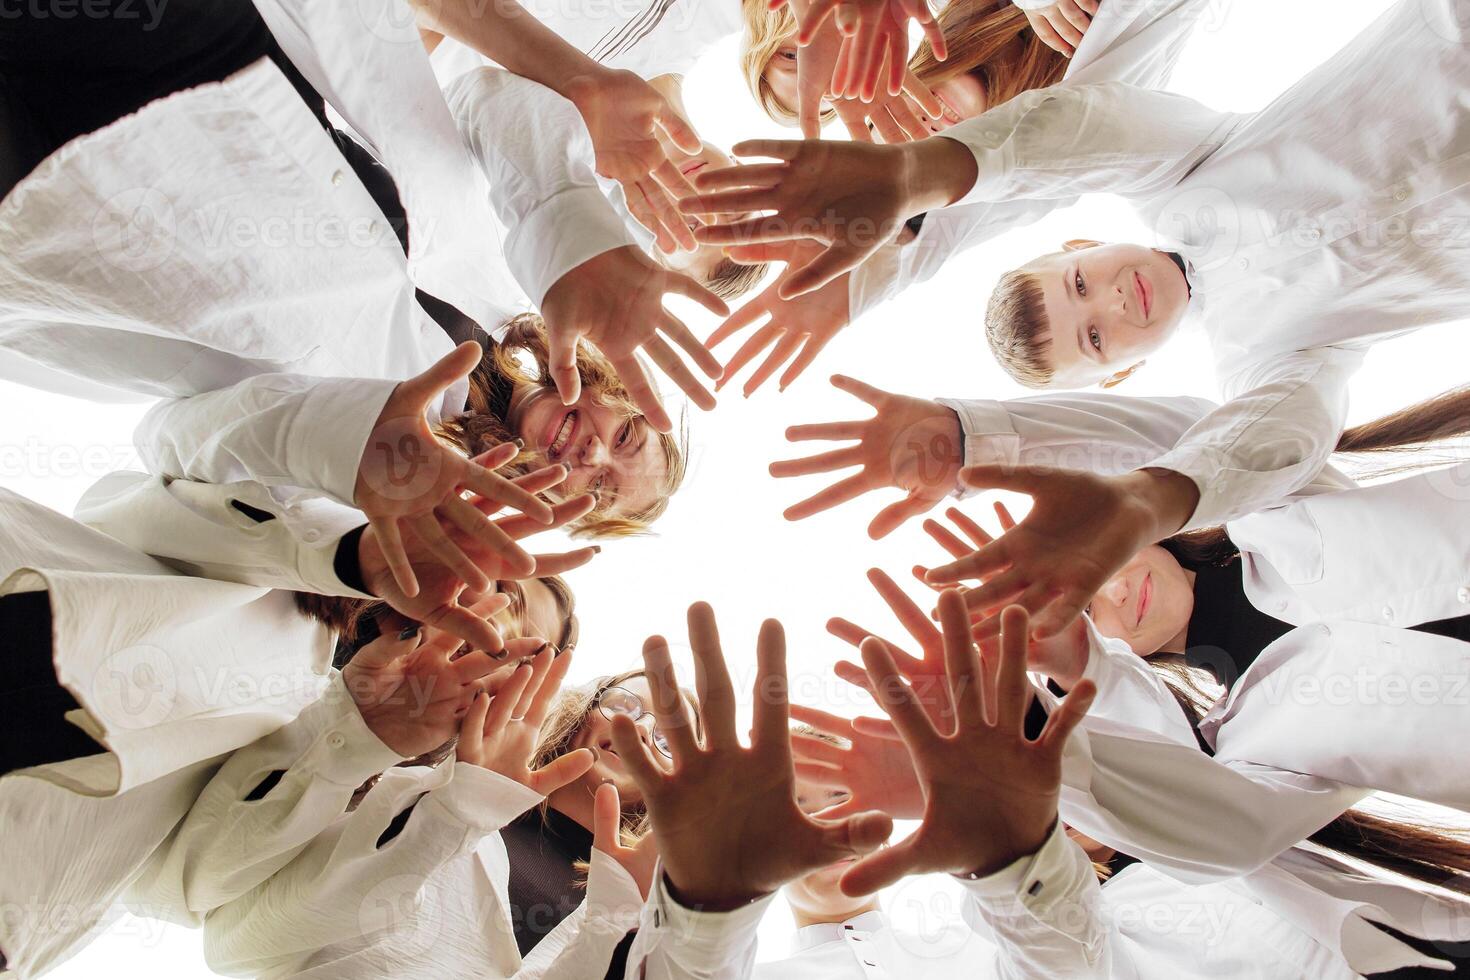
(1078, 244)
(1114, 380)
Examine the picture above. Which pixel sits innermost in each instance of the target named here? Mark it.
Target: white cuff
(702, 937)
(1038, 880)
(326, 442)
(990, 438)
(484, 800)
(346, 752)
(562, 232)
(613, 901)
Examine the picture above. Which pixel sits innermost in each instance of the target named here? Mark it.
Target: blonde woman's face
(596, 734)
(780, 74)
(542, 616)
(816, 892)
(620, 459)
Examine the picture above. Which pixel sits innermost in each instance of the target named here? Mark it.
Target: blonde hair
(1018, 329)
(731, 280)
(479, 428)
(988, 38)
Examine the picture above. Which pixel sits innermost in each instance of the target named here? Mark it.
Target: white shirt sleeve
(582, 944)
(1197, 818)
(1064, 141)
(537, 157)
(1130, 690)
(269, 800)
(344, 886)
(1270, 439)
(1043, 914)
(198, 529)
(677, 943)
(280, 430)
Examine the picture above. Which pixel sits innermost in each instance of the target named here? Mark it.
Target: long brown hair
(1435, 854)
(1409, 432)
(992, 40)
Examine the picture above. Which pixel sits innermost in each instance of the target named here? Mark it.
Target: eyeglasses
(614, 701)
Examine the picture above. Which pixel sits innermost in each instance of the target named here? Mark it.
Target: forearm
(507, 34)
(937, 173)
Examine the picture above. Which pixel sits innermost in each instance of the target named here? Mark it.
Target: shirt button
(1463, 595)
(335, 740)
(1326, 631)
(312, 535)
(1281, 606)
(1400, 194)
(1312, 234)
(1243, 262)
(336, 178)
(1388, 613)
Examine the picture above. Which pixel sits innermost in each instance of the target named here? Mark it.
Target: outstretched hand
(874, 46)
(990, 793)
(1061, 25)
(910, 444)
(728, 825)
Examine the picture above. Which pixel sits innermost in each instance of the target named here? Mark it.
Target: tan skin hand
(990, 793)
(728, 825)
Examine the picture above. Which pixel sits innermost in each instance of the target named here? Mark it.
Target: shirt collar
(809, 937)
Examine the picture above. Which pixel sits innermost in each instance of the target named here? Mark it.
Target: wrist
(1168, 498)
(702, 899)
(938, 172)
(1022, 846)
(582, 84)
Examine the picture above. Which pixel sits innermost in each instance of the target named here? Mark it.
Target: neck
(575, 802)
(1179, 642)
(804, 918)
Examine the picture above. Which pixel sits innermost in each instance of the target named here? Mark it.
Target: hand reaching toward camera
(1061, 25)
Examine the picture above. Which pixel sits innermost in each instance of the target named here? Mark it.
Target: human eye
(1095, 339)
(625, 434)
(1080, 283)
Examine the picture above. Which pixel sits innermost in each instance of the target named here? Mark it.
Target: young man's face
(1108, 307)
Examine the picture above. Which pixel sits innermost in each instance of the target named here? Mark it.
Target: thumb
(1019, 478)
(821, 270)
(877, 871)
(561, 361)
(860, 833)
(607, 818)
(560, 772)
(679, 129)
(419, 392)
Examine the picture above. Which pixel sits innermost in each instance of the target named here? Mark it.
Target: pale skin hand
(852, 197)
(728, 825)
(641, 859)
(895, 118)
(911, 444)
(990, 793)
(615, 300)
(412, 690)
(1062, 657)
(408, 481)
(874, 42)
(1081, 530)
(499, 732)
(1062, 25)
(875, 770)
(798, 329)
(438, 600)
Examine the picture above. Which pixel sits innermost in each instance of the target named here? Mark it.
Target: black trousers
(33, 730)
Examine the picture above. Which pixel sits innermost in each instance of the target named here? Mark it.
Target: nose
(1119, 304)
(593, 452)
(1115, 591)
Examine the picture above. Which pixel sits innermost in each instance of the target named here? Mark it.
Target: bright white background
(724, 539)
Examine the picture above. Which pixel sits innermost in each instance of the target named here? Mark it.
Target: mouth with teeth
(560, 435)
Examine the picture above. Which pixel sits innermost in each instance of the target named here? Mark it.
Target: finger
(771, 726)
(826, 431)
(922, 94)
(887, 126)
(763, 252)
(563, 513)
(472, 667)
(919, 572)
(471, 520)
(977, 534)
(837, 494)
(946, 539)
(472, 728)
(666, 211)
(1066, 717)
(907, 119)
(823, 721)
(1062, 612)
(678, 129)
(814, 346)
(854, 116)
(1076, 18)
(837, 259)
(541, 667)
(817, 12)
(836, 459)
(892, 517)
(672, 179)
(1088, 5)
(385, 649)
(894, 696)
(468, 626)
(815, 750)
(855, 675)
(494, 487)
(426, 388)
(502, 708)
(858, 834)
(736, 322)
(759, 228)
(661, 354)
(607, 819)
(390, 543)
(1048, 36)
(1006, 520)
(1012, 689)
(896, 58)
(784, 349)
(643, 212)
(640, 390)
(748, 176)
(633, 754)
(876, 728)
(775, 149)
(996, 592)
(669, 707)
(712, 685)
(816, 774)
(877, 871)
(905, 610)
(681, 335)
(934, 33)
(757, 342)
(563, 562)
(561, 362)
(961, 661)
(561, 772)
(979, 564)
(426, 526)
(875, 397)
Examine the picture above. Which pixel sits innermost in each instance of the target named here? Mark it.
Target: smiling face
(815, 895)
(617, 457)
(1108, 307)
(700, 263)
(963, 97)
(1148, 604)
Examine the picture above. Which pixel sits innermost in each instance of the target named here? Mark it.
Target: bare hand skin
(802, 327)
(639, 860)
(616, 300)
(910, 444)
(1062, 25)
(898, 118)
(1081, 529)
(438, 600)
(873, 49)
(728, 825)
(990, 793)
(852, 197)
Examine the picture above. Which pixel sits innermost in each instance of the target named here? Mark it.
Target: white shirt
(1132, 41)
(1321, 239)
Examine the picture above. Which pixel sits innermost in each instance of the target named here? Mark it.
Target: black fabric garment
(1178, 260)
(33, 703)
(1456, 953)
(543, 853)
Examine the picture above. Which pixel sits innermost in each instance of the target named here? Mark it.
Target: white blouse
(1307, 241)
